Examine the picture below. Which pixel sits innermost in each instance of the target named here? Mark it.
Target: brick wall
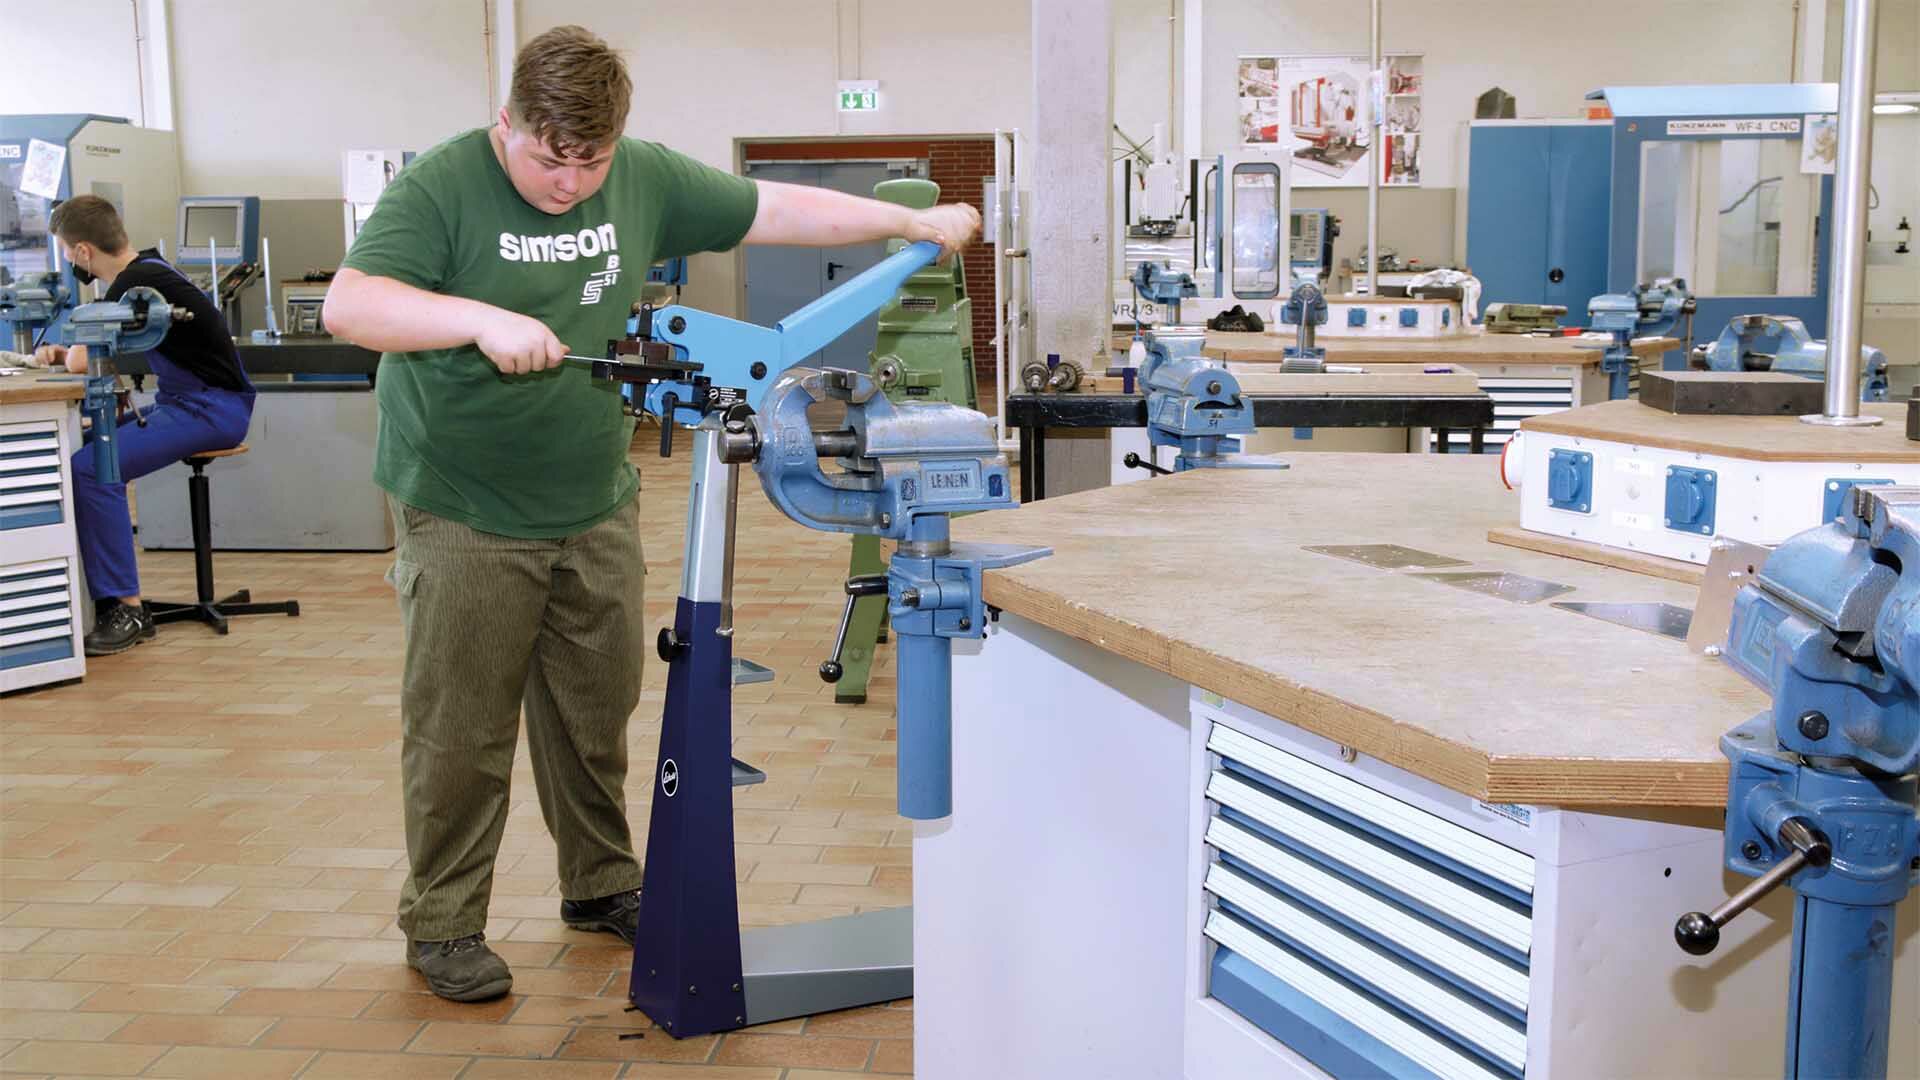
(958, 166)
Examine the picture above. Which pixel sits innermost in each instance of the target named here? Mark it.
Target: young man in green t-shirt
(517, 560)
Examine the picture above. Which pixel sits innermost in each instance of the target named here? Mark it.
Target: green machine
(924, 352)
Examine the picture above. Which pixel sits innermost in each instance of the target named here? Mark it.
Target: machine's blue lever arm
(748, 357)
(815, 326)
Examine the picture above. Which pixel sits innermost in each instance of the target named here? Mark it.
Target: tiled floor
(202, 843)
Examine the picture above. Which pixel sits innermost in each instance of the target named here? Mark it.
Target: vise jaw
(898, 462)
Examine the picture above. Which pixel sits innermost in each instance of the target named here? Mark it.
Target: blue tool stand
(1823, 791)
(905, 469)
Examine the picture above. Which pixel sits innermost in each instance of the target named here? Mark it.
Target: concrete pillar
(1069, 229)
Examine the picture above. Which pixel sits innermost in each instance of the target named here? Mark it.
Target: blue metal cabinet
(1537, 211)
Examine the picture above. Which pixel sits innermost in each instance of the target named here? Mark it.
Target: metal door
(1577, 223)
(1507, 213)
(780, 280)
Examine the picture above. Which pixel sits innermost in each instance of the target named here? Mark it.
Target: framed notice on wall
(1316, 108)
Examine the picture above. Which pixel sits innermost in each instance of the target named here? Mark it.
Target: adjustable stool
(206, 609)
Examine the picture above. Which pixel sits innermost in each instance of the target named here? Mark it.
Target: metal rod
(725, 629)
(1000, 209)
(1841, 403)
(1374, 160)
(1757, 888)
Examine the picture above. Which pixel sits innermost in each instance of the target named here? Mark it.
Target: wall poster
(1315, 107)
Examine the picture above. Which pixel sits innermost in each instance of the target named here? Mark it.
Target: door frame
(829, 150)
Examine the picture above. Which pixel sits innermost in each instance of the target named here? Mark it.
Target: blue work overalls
(187, 417)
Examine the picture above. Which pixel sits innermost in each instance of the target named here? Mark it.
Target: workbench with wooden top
(42, 617)
(1292, 411)
(1525, 375)
(1191, 743)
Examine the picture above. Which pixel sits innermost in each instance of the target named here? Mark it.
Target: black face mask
(81, 274)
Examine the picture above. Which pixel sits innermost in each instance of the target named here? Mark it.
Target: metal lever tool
(857, 587)
(1698, 932)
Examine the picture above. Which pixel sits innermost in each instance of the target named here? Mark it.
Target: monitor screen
(219, 225)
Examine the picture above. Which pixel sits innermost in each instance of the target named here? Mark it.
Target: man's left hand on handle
(951, 225)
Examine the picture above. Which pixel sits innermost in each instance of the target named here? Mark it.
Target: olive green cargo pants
(495, 624)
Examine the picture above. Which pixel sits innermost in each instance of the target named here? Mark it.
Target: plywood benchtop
(1204, 576)
(27, 388)
(1469, 349)
(1754, 438)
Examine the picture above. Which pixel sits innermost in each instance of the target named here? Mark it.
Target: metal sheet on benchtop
(1386, 556)
(1667, 620)
(1513, 588)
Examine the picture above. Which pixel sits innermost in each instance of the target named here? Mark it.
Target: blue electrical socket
(1570, 481)
(1691, 498)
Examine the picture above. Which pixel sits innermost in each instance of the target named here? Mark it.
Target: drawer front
(1366, 933)
(30, 484)
(38, 622)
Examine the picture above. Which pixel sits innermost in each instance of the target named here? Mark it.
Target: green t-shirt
(545, 454)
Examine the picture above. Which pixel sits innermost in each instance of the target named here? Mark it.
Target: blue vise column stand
(1647, 311)
(1306, 308)
(134, 323)
(1823, 792)
(695, 970)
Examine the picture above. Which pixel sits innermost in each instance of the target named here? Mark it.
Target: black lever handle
(1135, 461)
(857, 587)
(668, 402)
(1698, 932)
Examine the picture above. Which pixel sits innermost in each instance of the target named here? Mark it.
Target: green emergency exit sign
(859, 96)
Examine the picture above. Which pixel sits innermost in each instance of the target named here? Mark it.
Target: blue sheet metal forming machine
(1823, 791)
(1779, 343)
(903, 470)
(1648, 311)
(134, 323)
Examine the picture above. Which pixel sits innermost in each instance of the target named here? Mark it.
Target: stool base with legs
(205, 608)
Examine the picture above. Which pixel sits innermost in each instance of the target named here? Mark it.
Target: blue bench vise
(134, 323)
(904, 470)
(1195, 405)
(1778, 343)
(1158, 284)
(1650, 310)
(31, 304)
(1823, 792)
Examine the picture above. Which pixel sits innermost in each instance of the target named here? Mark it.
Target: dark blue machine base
(686, 957)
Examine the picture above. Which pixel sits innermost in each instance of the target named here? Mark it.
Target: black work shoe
(616, 914)
(120, 628)
(463, 969)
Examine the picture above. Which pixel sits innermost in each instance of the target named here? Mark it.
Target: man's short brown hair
(90, 219)
(570, 89)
